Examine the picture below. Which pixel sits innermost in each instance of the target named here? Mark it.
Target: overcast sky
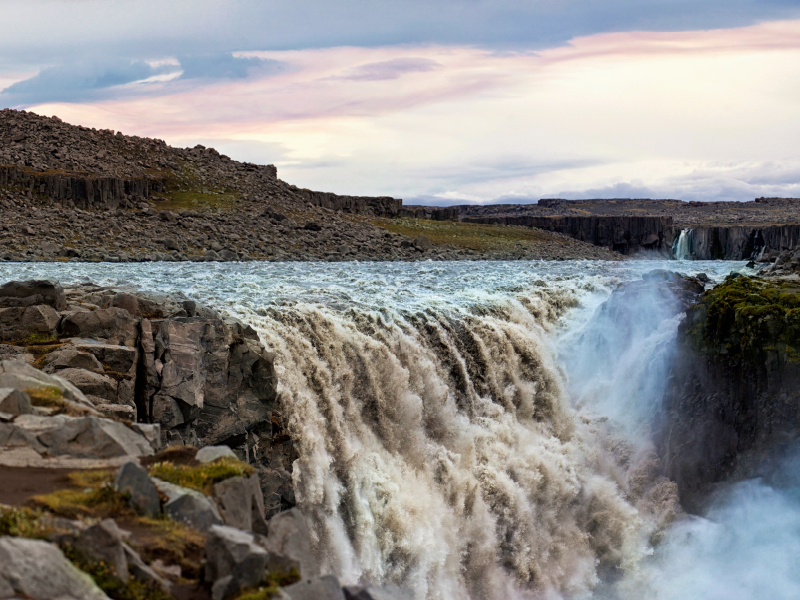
(436, 101)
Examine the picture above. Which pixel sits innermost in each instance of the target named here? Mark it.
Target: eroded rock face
(733, 403)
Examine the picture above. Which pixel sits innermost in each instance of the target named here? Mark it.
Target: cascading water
(467, 430)
(683, 245)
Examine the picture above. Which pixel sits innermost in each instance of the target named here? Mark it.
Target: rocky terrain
(73, 193)
(142, 454)
(732, 408)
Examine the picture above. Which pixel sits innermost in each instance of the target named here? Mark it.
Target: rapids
(470, 430)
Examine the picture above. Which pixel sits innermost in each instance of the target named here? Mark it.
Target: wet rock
(289, 537)
(373, 592)
(38, 570)
(233, 561)
(15, 402)
(209, 454)
(33, 292)
(320, 588)
(133, 479)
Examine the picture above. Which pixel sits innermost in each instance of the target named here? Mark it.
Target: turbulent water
(480, 430)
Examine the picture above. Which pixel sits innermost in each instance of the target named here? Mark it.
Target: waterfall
(439, 451)
(682, 248)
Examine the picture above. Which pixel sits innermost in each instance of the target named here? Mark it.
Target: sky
(436, 102)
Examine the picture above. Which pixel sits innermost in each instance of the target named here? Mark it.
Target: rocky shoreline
(106, 395)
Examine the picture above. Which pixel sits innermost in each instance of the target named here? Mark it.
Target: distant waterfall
(682, 248)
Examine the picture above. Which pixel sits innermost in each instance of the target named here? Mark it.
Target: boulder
(241, 503)
(20, 375)
(32, 292)
(116, 411)
(233, 561)
(18, 323)
(39, 570)
(211, 453)
(92, 437)
(188, 506)
(423, 243)
(289, 536)
(103, 542)
(113, 325)
(91, 383)
(71, 358)
(121, 359)
(132, 479)
(320, 588)
(15, 402)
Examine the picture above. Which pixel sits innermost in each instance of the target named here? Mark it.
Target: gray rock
(15, 402)
(17, 323)
(289, 536)
(126, 301)
(320, 588)
(228, 255)
(211, 453)
(93, 437)
(121, 359)
(21, 376)
(39, 570)
(113, 325)
(241, 503)
(32, 292)
(141, 571)
(233, 561)
(103, 542)
(149, 431)
(70, 358)
(91, 383)
(189, 506)
(133, 479)
(116, 411)
(423, 243)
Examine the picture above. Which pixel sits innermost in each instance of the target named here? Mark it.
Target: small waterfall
(682, 248)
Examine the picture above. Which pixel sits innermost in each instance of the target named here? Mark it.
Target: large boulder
(91, 383)
(289, 536)
(33, 292)
(241, 503)
(85, 437)
(115, 326)
(121, 359)
(188, 506)
(70, 357)
(38, 570)
(20, 375)
(133, 480)
(233, 561)
(20, 323)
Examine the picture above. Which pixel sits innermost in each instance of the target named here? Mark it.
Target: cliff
(740, 242)
(625, 234)
(733, 399)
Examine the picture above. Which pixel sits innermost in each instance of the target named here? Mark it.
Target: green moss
(106, 579)
(23, 522)
(201, 477)
(745, 315)
(269, 587)
(95, 497)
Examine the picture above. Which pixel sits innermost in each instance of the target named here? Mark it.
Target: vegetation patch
(746, 315)
(94, 496)
(472, 236)
(269, 587)
(48, 397)
(201, 477)
(24, 522)
(171, 542)
(106, 579)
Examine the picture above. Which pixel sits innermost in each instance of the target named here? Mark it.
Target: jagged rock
(33, 292)
(115, 326)
(22, 376)
(289, 537)
(133, 479)
(38, 570)
(19, 323)
(103, 541)
(121, 359)
(15, 402)
(71, 358)
(166, 412)
(233, 561)
(149, 431)
(86, 437)
(91, 383)
(209, 454)
(373, 592)
(141, 571)
(241, 503)
(189, 506)
(320, 588)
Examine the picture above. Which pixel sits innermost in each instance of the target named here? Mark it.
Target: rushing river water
(479, 430)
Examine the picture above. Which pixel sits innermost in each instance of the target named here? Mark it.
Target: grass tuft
(269, 587)
(201, 477)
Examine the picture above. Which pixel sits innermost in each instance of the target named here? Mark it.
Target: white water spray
(683, 245)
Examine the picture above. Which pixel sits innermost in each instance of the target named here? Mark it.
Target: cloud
(227, 66)
(391, 69)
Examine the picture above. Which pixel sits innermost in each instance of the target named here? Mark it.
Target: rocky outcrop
(733, 400)
(82, 191)
(624, 234)
(362, 205)
(740, 242)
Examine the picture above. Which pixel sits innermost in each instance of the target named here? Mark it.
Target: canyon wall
(741, 242)
(627, 235)
(383, 206)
